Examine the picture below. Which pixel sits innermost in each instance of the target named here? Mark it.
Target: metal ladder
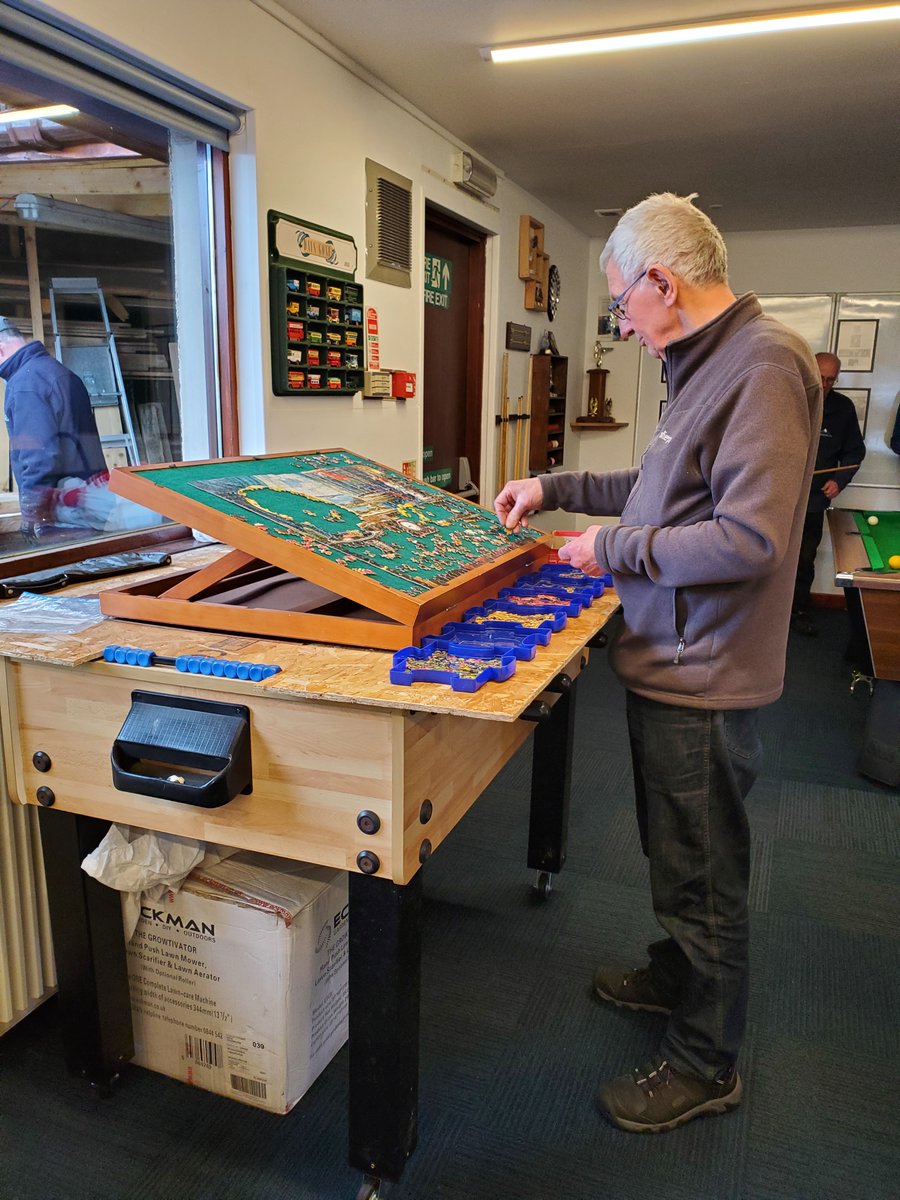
(96, 365)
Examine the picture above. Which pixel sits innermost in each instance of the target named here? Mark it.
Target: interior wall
(862, 259)
(311, 124)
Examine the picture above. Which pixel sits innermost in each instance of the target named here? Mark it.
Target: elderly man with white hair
(703, 559)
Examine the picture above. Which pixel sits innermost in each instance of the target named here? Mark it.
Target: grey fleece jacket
(705, 554)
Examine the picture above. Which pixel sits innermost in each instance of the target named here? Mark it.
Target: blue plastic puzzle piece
(570, 605)
(554, 614)
(461, 636)
(573, 574)
(541, 633)
(560, 587)
(405, 670)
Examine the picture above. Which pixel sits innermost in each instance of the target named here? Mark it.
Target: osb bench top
(309, 670)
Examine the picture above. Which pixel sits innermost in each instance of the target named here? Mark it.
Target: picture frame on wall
(860, 398)
(856, 341)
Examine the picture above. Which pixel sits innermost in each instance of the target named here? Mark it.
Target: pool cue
(831, 470)
(517, 449)
(503, 446)
(526, 417)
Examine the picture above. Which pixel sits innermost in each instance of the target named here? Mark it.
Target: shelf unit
(547, 427)
(318, 337)
(534, 264)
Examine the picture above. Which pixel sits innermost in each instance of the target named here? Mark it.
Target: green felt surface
(881, 540)
(398, 532)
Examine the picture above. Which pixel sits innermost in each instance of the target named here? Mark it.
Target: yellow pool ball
(872, 520)
(894, 562)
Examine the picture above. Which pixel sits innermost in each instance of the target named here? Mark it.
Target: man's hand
(830, 489)
(518, 498)
(580, 552)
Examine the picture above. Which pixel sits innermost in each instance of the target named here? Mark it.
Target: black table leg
(551, 779)
(385, 973)
(89, 945)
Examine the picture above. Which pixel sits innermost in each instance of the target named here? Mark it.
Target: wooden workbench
(332, 739)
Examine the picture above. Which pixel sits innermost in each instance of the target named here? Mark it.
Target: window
(115, 345)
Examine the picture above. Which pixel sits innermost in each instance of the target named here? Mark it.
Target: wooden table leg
(385, 974)
(89, 945)
(551, 780)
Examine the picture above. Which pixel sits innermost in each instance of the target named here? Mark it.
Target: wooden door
(454, 348)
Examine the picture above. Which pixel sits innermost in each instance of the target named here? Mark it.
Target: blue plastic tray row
(572, 591)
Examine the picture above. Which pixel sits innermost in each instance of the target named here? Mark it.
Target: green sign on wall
(439, 478)
(438, 280)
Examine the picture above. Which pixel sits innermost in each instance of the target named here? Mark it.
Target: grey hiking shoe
(654, 1098)
(635, 989)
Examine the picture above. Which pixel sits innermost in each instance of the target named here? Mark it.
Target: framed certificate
(856, 345)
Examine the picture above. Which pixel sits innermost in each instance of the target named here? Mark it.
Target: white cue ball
(873, 520)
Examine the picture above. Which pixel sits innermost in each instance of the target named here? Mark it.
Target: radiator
(27, 971)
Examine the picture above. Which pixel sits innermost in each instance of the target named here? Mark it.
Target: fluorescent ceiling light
(673, 35)
(10, 116)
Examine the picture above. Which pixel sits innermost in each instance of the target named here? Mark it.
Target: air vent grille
(388, 225)
(394, 226)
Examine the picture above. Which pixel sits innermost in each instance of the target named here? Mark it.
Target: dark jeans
(813, 525)
(693, 769)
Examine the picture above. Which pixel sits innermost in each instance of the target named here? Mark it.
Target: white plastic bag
(138, 863)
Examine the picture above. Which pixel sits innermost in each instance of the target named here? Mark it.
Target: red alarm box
(403, 384)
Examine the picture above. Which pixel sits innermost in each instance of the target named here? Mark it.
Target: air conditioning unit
(473, 175)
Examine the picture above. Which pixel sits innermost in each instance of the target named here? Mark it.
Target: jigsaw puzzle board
(401, 547)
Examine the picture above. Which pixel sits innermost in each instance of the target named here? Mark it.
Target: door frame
(476, 305)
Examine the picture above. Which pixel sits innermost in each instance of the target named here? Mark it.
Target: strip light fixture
(679, 34)
(49, 112)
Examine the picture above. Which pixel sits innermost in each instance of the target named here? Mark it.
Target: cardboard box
(239, 982)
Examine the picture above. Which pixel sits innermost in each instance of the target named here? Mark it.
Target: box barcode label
(207, 1054)
(251, 1087)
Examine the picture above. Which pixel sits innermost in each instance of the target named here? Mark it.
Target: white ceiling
(796, 130)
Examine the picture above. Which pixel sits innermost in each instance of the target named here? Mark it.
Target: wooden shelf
(531, 247)
(547, 443)
(576, 425)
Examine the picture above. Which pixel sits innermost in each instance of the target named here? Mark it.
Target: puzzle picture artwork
(406, 535)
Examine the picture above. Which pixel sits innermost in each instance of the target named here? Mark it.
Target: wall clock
(553, 290)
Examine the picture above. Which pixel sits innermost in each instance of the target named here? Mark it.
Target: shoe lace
(653, 1075)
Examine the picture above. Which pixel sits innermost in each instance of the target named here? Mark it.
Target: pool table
(871, 587)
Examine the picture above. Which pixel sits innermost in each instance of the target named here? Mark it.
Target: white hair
(8, 331)
(669, 230)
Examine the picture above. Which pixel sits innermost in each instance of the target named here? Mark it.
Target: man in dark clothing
(53, 436)
(841, 450)
(703, 559)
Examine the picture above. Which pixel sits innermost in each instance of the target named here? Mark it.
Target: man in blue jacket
(52, 430)
(841, 450)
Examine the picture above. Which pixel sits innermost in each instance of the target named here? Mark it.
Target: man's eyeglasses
(616, 306)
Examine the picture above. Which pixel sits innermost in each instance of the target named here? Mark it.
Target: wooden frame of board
(279, 581)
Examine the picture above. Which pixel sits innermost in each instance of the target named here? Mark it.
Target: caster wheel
(543, 886)
(104, 1089)
(370, 1189)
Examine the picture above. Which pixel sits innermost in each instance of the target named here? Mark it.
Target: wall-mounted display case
(317, 313)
